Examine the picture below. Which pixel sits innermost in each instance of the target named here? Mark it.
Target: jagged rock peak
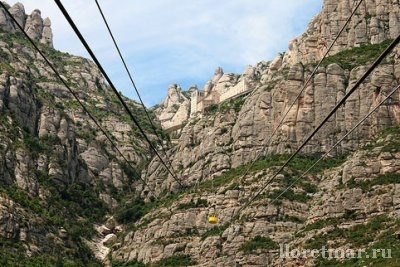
(373, 22)
(217, 75)
(174, 95)
(175, 108)
(34, 25)
(192, 88)
(18, 11)
(275, 85)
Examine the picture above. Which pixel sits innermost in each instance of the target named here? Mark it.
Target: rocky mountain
(213, 149)
(68, 199)
(346, 202)
(175, 109)
(235, 131)
(374, 22)
(33, 24)
(59, 174)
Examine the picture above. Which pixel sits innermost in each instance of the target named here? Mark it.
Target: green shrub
(86, 134)
(288, 194)
(358, 235)
(176, 260)
(74, 207)
(383, 179)
(387, 146)
(299, 163)
(200, 202)
(356, 56)
(34, 145)
(51, 139)
(383, 240)
(393, 146)
(134, 263)
(175, 107)
(13, 253)
(211, 109)
(321, 224)
(216, 230)
(258, 242)
(130, 171)
(394, 130)
(295, 219)
(130, 211)
(224, 130)
(234, 103)
(310, 188)
(24, 199)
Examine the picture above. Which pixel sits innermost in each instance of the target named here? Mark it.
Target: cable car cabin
(212, 219)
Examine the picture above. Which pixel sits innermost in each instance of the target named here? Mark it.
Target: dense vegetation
(367, 185)
(130, 212)
(12, 253)
(357, 235)
(216, 230)
(259, 242)
(234, 103)
(73, 207)
(357, 56)
(69, 205)
(392, 146)
(379, 233)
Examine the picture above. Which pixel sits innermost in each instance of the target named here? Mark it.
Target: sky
(177, 41)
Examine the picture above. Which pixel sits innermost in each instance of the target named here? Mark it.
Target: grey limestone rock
(33, 24)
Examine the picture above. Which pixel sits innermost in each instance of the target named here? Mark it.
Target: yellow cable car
(212, 219)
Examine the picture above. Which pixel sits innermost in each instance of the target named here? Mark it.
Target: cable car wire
(75, 95)
(94, 58)
(301, 91)
(133, 84)
(335, 145)
(390, 47)
(315, 163)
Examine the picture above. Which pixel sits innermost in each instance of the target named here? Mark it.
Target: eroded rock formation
(36, 28)
(60, 178)
(233, 137)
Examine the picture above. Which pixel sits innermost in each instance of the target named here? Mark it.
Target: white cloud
(168, 41)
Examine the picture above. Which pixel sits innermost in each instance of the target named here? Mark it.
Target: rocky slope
(374, 22)
(357, 195)
(175, 109)
(59, 175)
(236, 131)
(66, 194)
(33, 24)
(346, 202)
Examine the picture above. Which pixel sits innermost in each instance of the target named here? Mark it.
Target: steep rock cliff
(339, 204)
(345, 202)
(374, 21)
(175, 109)
(236, 131)
(36, 28)
(59, 175)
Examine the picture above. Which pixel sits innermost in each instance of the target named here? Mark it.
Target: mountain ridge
(59, 174)
(223, 138)
(68, 199)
